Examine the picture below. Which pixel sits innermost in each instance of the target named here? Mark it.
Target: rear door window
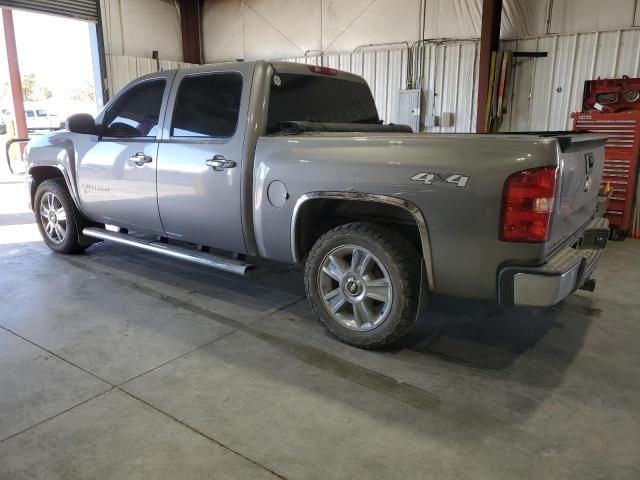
(207, 105)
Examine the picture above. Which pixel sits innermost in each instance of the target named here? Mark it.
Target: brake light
(322, 70)
(527, 204)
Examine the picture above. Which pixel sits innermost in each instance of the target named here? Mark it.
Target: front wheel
(56, 216)
(363, 283)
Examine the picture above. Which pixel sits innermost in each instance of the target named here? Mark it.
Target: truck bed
(462, 217)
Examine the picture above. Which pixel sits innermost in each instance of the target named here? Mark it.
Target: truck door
(117, 175)
(200, 158)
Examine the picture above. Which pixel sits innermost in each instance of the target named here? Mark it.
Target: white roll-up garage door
(80, 9)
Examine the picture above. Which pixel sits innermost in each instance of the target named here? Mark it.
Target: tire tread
(59, 187)
(405, 256)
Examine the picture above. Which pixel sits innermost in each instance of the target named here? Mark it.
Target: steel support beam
(191, 25)
(99, 59)
(14, 73)
(489, 43)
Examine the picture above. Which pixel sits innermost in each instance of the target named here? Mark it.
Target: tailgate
(581, 160)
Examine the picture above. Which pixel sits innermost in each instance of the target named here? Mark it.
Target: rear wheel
(57, 217)
(363, 283)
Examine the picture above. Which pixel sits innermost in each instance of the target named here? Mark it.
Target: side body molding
(408, 206)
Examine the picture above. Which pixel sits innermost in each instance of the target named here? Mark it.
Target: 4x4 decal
(429, 178)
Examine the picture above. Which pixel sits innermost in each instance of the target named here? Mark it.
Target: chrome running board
(206, 259)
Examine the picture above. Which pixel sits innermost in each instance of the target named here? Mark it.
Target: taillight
(527, 205)
(322, 70)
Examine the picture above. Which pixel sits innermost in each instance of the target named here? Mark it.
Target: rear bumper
(562, 274)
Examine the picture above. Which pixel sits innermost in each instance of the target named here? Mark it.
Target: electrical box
(446, 119)
(409, 108)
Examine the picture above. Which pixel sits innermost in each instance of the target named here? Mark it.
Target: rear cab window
(300, 97)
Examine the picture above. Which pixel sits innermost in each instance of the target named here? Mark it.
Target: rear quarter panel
(463, 222)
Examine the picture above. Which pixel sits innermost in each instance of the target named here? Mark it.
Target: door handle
(219, 163)
(140, 159)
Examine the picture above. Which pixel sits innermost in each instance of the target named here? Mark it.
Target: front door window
(136, 112)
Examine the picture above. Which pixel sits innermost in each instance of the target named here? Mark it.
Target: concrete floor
(119, 364)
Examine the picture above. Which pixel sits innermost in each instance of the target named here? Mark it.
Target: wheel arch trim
(368, 197)
(65, 175)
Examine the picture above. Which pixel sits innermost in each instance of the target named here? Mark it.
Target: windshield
(296, 97)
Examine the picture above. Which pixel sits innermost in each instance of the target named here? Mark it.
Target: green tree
(29, 87)
(33, 90)
(45, 93)
(86, 93)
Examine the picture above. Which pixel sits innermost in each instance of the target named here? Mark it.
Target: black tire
(616, 235)
(403, 267)
(58, 188)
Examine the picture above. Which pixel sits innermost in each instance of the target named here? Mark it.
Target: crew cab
(220, 164)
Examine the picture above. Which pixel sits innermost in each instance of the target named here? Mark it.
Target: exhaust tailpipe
(589, 285)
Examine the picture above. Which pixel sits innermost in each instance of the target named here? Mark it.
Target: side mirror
(82, 123)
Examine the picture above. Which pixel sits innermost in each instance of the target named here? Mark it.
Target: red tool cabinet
(621, 159)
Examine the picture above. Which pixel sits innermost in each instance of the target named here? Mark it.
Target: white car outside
(39, 117)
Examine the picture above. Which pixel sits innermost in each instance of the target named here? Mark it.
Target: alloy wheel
(53, 217)
(355, 287)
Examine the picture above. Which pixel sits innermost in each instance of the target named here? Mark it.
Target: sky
(57, 50)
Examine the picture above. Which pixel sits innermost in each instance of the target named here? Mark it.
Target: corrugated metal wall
(450, 84)
(543, 93)
(449, 78)
(546, 90)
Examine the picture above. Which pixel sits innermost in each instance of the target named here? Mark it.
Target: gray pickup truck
(289, 162)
